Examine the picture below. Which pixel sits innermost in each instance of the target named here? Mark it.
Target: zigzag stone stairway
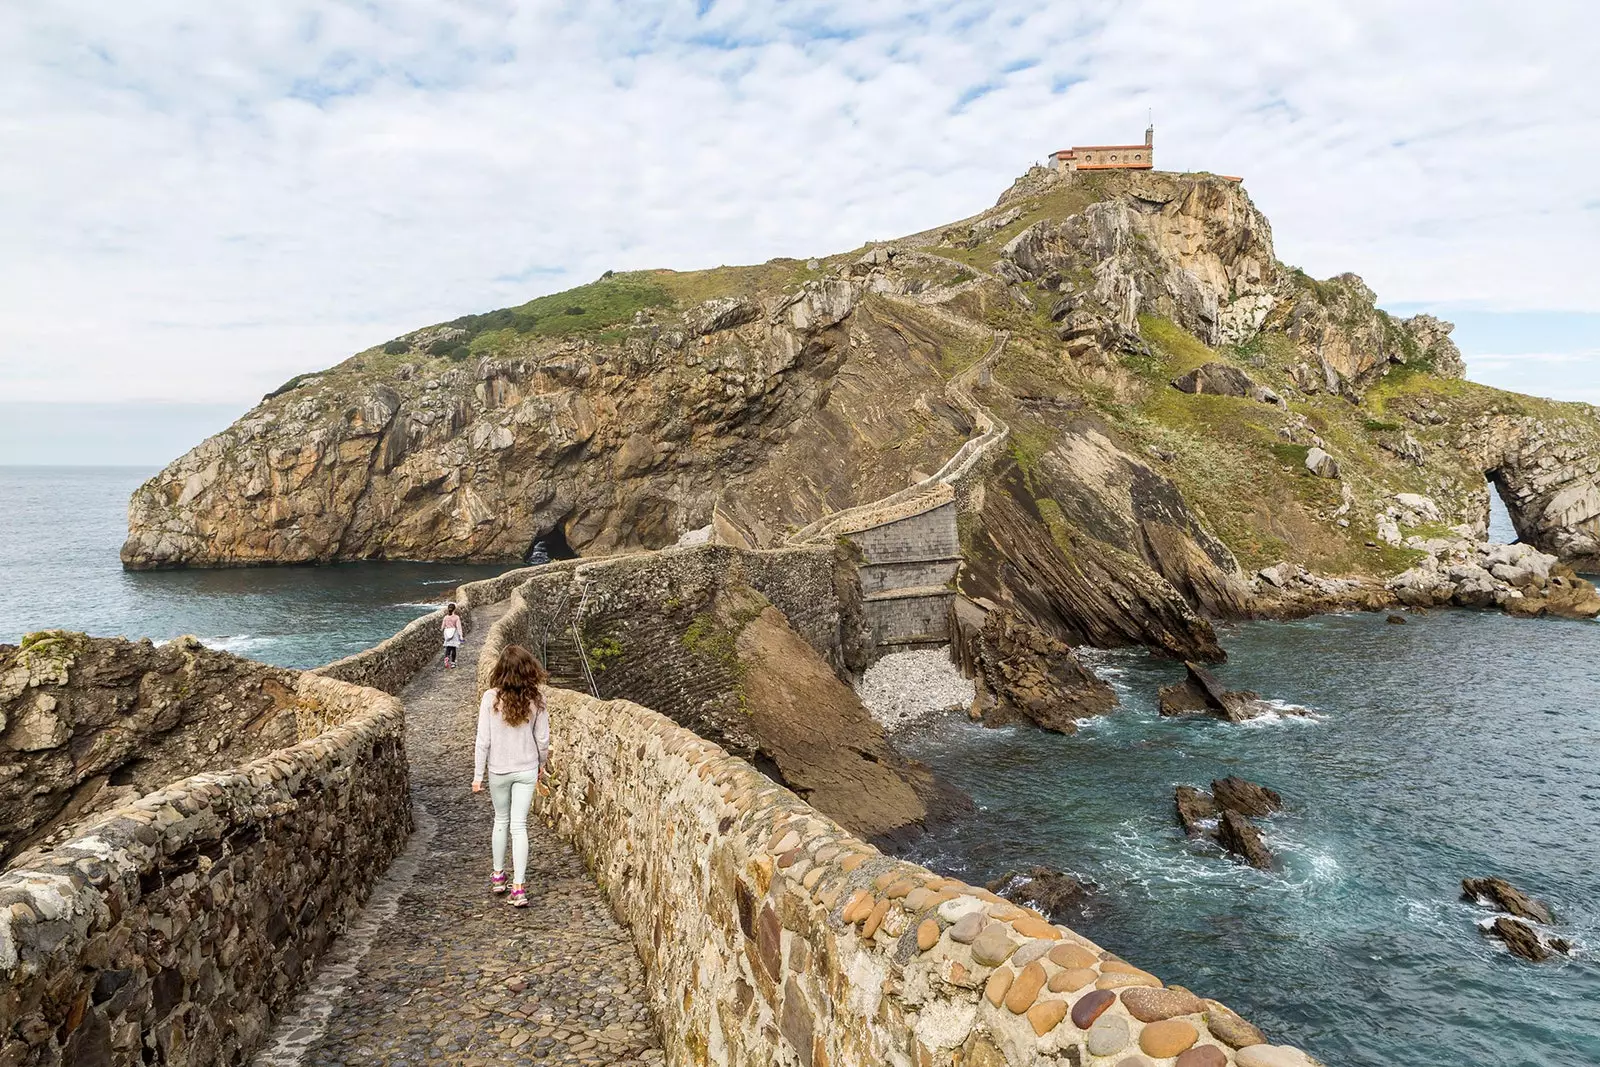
(453, 975)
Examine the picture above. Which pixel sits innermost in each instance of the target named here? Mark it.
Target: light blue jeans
(512, 793)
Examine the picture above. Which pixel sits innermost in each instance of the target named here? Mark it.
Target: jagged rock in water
(1200, 691)
(1196, 810)
(1026, 674)
(1523, 940)
(1058, 894)
(1240, 837)
(1245, 797)
(1499, 893)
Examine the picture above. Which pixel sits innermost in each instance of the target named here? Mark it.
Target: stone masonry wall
(172, 929)
(772, 936)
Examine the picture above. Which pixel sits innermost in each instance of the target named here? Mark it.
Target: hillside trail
(989, 433)
(436, 970)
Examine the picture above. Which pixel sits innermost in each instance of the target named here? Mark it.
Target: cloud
(201, 201)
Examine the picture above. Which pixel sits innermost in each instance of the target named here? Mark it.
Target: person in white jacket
(513, 746)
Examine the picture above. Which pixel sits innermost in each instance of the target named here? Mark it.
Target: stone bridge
(686, 909)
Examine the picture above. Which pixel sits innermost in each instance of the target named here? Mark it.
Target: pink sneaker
(497, 882)
(518, 897)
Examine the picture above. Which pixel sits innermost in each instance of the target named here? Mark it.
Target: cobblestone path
(455, 976)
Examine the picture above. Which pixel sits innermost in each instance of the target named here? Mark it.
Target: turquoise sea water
(61, 528)
(1460, 744)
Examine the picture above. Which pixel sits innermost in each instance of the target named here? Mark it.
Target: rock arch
(1548, 474)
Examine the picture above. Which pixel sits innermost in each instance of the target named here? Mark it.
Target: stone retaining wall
(658, 594)
(394, 661)
(172, 930)
(772, 936)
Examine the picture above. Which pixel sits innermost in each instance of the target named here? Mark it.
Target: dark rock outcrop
(1224, 815)
(1245, 797)
(1024, 674)
(1217, 379)
(1523, 940)
(1195, 809)
(1240, 837)
(1056, 893)
(1201, 691)
(1501, 894)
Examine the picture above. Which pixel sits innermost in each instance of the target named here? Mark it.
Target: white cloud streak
(198, 201)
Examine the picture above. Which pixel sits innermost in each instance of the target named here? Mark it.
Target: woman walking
(452, 629)
(513, 745)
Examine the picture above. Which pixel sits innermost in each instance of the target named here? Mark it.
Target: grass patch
(1291, 455)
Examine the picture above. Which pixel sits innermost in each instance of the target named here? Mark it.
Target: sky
(199, 201)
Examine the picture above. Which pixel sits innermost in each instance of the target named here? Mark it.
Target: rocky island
(1192, 429)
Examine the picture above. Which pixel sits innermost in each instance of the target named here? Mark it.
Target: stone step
(910, 592)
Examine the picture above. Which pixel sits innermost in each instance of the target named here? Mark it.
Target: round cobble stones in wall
(1153, 1005)
(1271, 1056)
(1230, 1028)
(1135, 1060)
(1071, 981)
(993, 946)
(927, 935)
(1072, 956)
(967, 928)
(1029, 952)
(1122, 981)
(1168, 1038)
(1025, 990)
(1028, 926)
(1109, 1035)
(998, 985)
(1046, 1015)
(1090, 1006)
(1203, 1056)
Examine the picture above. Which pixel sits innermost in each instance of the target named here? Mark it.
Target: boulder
(1218, 379)
(1195, 809)
(1501, 894)
(1240, 837)
(1245, 797)
(1321, 464)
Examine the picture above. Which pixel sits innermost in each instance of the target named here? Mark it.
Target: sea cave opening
(549, 545)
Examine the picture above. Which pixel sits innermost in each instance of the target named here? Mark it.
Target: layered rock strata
(87, 724)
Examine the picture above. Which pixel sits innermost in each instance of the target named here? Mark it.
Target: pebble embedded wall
(172, 930)
(772, 936)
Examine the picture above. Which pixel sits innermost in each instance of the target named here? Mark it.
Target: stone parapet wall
(171, 930)
(772, 936)
(394, 661)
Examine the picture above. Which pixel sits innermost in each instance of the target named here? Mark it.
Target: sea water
(61, 529)
(1457, 745)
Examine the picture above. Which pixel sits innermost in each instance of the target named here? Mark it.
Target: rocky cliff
(1184, 412)
(90, 723)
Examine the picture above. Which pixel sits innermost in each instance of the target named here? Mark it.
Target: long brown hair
(516, 679)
